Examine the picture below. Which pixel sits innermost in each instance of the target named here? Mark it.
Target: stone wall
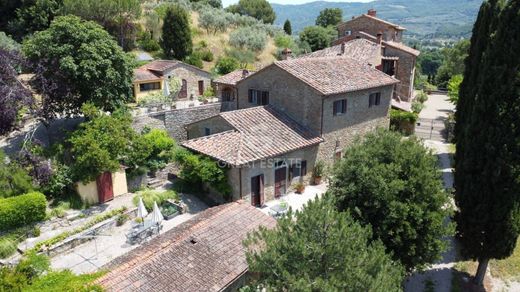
(174, 121)
(370, 26)
(215, 125)
(341, 130)
(405, 72)
(192, 75)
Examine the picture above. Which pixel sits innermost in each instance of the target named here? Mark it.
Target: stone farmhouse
(226, 89)
(289, 115)
(153, 77)
(394, 58)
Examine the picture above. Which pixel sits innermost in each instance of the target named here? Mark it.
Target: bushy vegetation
(329, 17)
(176, 39)
(403, 121)
(320, 249)
(259, 9)
(151, 196)
(317, 37)
(22, 210)
(198, 170)
(248, 38)
(13, 179)
(394, 185)
(226, 65)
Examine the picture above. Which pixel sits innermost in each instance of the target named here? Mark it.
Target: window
(150, 86)
(207, 131)
(201, 87)
(258, 97)
(339, 107)
(374, 99)
(389, 67)
(298, 169)
(226, 95)
(348, 32)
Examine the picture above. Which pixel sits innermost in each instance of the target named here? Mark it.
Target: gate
(430, 129)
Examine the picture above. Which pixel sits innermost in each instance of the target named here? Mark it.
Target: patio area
(294, 200)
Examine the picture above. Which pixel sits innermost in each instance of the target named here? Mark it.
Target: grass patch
(10, 240)
(150, 196)
(507, 269)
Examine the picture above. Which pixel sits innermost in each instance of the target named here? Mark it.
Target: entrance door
(257, 190)
(105, 187)
(184, 89)
(201, 87)
(280, 178)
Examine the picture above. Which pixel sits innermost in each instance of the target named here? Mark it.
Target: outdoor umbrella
(141, 210)
(157, 216)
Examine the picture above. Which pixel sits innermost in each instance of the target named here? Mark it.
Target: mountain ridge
(422, 18)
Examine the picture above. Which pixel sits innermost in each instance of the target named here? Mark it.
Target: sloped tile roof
(172, 262)
(233, 77)
(402, 47)
(396, 26)
(160, 65)
(358, 49)
(333, 75)
(144, 75)
(261, 132)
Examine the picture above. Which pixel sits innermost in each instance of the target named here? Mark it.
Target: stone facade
(230, 102)
(174, 121)
(405, 72)
(371, 26)
(192, 76)
(207, 127)
(287, 93)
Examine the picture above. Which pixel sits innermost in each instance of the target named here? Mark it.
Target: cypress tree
(287, 27)
(176, 34)
(488, 138)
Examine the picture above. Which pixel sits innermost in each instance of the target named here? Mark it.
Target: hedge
(22, 210)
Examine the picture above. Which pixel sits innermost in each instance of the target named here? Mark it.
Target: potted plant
(317, 173)
(203, 99)
(299, 187)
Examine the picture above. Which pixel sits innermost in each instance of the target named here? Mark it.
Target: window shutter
(378, 98)
(250, 95)
(335, 108)
(344, 106)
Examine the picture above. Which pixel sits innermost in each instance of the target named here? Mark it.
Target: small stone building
(267, 150)
(153, 77)
(226, 88)
(397, 59)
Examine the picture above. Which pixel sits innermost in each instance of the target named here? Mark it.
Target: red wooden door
(201, 87)
(280, 176)
(184, 89)
(104, 187)
(257, 190)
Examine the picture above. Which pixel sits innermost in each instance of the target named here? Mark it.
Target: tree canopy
(14, 180)
(487, 164)
(320, 249)
(176, 34)
(452, 62)
(287, 27)
(259, 9)
(75, 62)
(329, 17)
(394, 185)
(32, 16)
(317, 37)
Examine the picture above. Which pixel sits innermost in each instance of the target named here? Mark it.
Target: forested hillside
(422, 18)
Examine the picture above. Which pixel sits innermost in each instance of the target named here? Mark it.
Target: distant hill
(422, 18)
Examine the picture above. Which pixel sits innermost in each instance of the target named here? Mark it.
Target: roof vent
(372, 12)
(193, 241)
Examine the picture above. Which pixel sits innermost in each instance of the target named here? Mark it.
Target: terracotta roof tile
(160, 65)
(233, 77)
(261, 132)
(396, 26)
(402, 47)
(333, 75)
(171, 262)
(143, 75)
(358, 49)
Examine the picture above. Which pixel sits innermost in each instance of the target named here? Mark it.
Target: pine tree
(488, 135)
(176, 34)
(287, 27)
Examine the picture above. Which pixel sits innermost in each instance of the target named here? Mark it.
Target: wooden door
(201, 87)
(184, 89)
(104, 187)
(280, 178)
(257, 190)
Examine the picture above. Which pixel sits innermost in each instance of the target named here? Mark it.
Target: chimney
(342, 49)
(286, 54)
(245, 72)
(379, 38)
(372, 12)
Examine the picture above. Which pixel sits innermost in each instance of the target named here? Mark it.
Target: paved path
(297, 201)
(90, 256)
(440, 274)
(436, 107)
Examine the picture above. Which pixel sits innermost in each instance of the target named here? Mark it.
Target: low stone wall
(174, 121)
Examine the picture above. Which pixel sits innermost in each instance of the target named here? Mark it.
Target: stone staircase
(153, 183)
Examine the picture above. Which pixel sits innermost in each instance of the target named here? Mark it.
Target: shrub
(209, 92)
(226, 65)
(7, 247)
(206, 55)
(13, 179)
(64, 281)
(36, 231)
(150, 196)
(147, 43)
(153, 98)
(248, 38)
(22, 210)
(417, 107)
(121, 219)
(213, 21)
(421, 97)
(194, 59)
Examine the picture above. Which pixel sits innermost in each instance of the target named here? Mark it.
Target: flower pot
(317, 180)
(300, 190)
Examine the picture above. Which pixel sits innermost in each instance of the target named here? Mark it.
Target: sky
(226, 3)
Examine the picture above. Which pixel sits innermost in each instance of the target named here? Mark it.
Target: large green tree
(320, 249)
(176, 34)
(287, 27)
(317, 37)
(394, 185)
(452, 62)
(487, 168)
(76, 61)
(32, 16)
(329, 17)
(118, 17)
(259, 9)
